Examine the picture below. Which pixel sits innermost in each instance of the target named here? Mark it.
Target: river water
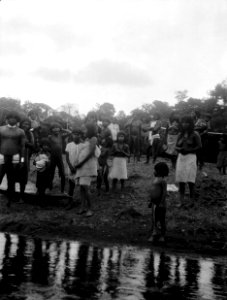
(41, 269)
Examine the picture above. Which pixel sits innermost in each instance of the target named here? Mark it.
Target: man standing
(12, 147)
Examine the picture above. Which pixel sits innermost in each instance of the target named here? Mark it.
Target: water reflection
(36, 269)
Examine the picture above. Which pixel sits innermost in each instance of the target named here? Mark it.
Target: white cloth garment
(119, 168)
(186, 168)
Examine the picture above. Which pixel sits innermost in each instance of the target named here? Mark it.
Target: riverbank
(199, 227)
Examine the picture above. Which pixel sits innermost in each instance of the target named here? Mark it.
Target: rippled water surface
(39, 269)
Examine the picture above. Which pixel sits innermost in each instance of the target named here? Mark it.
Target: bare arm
(22, 146)
(126, 151)
(72, 169)
(92, 146)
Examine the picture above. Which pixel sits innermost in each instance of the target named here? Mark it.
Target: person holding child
(72, 149)
(158, 202)
(120, 152)
(87, 166)
(42, 164)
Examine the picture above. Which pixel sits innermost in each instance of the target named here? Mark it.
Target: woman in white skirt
(188, 143)
(120, 153)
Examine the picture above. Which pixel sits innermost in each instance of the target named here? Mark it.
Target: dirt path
(196, 227)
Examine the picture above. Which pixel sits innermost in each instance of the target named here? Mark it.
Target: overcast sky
(126, 52)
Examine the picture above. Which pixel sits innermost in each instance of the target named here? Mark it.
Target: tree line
(215, 105)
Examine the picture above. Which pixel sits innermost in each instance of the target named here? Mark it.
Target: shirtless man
(12, 148)
(56, 138)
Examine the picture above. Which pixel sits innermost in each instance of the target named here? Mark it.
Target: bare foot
(89, 213)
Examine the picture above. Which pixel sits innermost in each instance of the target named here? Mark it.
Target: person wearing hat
(12, 149)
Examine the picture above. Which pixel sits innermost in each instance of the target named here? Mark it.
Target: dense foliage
(215, 105)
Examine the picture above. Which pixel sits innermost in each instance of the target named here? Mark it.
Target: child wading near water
(158, 201)
(86, 169)
(120, 152)
(222, 155)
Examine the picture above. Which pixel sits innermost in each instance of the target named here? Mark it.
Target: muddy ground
(196, 227)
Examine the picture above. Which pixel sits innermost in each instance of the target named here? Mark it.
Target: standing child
(222, 155)
(158, 201)
(120, 152)
(86, 169)
(71, 151)
(42, 164)
(103, 170)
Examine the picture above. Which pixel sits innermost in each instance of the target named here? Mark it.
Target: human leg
(61, 170)
(71, 187)
(105, 177)
(148, 154)
(85, 183)
(191, 190)
(89, 212)
(153, 223)
(83, 200)
(99, 181)
(162, 220)
(122, 184)
(155, 149)
(181, 191)
(114, 184)
(53, 164)
(10, 173)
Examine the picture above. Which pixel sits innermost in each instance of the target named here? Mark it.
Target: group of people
(100, 153)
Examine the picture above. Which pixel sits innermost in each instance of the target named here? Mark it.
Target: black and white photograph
(113, 149)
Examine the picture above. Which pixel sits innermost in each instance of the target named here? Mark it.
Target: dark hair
(13, 114)
(121, 133)
(92, 114)
(190, 121)
(32, 111)
(157, 115)
(91, 130)
(77, 130)
(55, 125)
(197, 113)
(174, 117)
(27, 120)
(105, 119)
(162, 170)
(44, 142)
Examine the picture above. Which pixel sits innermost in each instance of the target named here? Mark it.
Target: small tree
(181, 95)
(106, 110)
